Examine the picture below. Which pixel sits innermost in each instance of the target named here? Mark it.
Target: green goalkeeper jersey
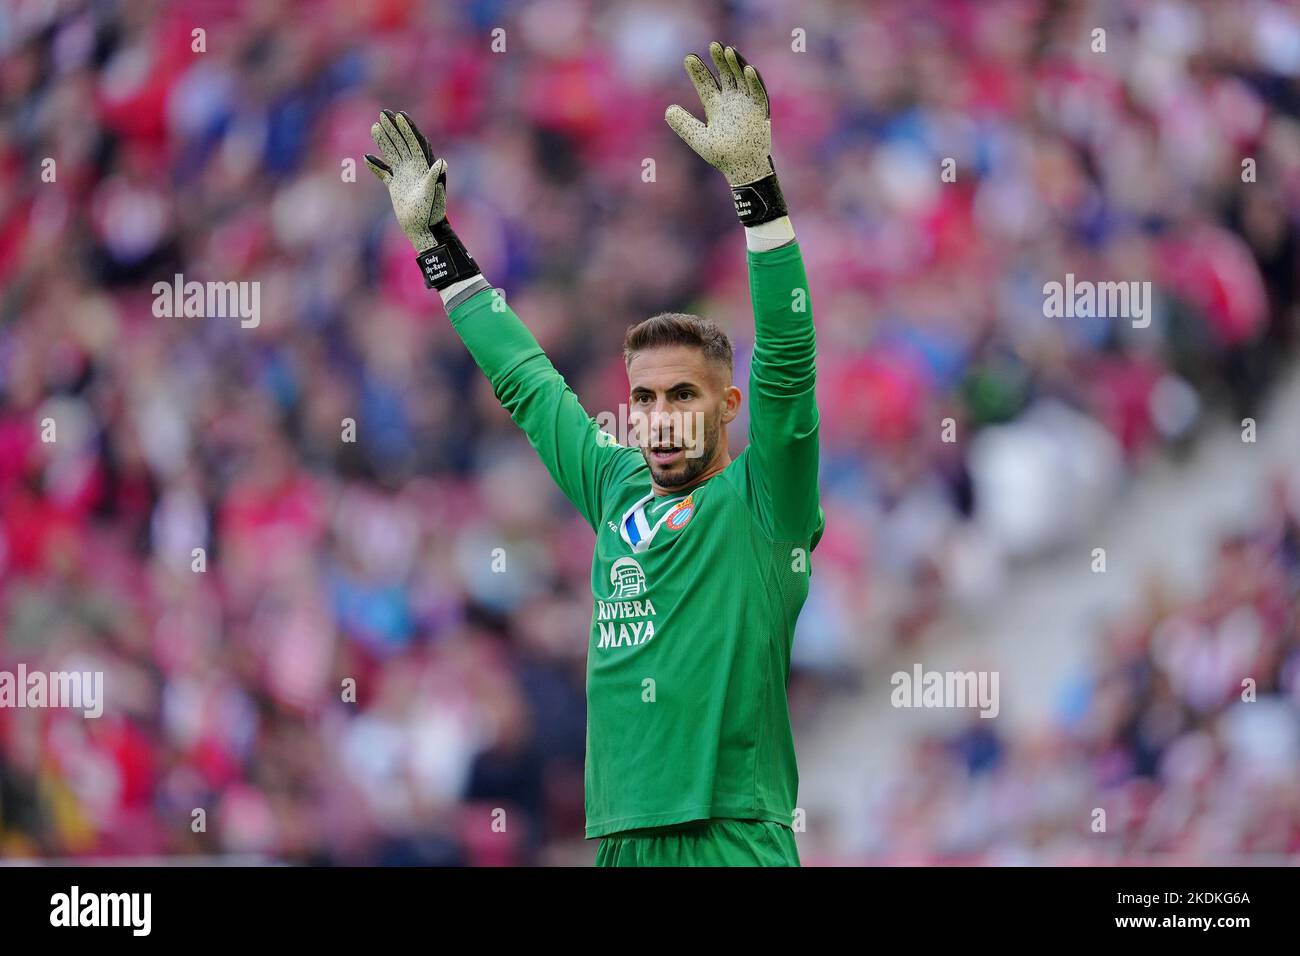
(694, 595)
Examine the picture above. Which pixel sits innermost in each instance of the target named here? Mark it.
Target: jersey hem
(603, 828)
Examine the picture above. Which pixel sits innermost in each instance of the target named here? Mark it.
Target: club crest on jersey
(678, 517)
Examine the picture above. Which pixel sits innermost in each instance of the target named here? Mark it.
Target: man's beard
(692, 467)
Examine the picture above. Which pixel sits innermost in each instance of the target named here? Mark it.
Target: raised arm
(781, 464)
(570, 443)
(580, 457)
(783, 421)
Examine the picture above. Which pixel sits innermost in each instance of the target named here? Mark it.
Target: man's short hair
(679, 328)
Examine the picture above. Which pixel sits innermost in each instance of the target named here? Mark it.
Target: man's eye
(684, 396)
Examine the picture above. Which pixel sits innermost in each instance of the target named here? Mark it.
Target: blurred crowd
(352, 676)
(1181, 742)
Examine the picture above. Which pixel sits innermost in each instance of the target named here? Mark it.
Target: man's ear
(730, 404)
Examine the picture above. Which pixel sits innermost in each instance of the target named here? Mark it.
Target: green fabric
(713, 843)
(689, 652)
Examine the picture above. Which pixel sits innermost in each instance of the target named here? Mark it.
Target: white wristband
(456, 288)
(769, 235)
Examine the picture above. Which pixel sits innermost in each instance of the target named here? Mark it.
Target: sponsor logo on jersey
(627, 577)
(621, 621)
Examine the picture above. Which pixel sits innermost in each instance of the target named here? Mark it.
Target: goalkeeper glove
(737, 139)
(417, 185)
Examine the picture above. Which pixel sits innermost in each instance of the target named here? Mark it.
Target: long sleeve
(580, 458)
(783, 420)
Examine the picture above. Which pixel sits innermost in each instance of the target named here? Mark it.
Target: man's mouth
(665, 455)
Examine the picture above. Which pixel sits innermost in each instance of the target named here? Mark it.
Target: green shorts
(702, 843)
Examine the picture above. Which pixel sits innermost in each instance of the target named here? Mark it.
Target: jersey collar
(635, 528)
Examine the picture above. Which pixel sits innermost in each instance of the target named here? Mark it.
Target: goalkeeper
(701, 560)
